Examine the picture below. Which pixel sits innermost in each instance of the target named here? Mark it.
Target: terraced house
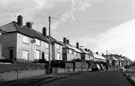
(21, 42)
(56, 48)
(70, 52)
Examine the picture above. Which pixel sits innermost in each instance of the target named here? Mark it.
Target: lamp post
(49, 43)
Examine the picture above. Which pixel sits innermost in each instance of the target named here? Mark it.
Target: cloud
(29, 9)
(69, 15)
(120, 36)
(87, 41)
(118, 39)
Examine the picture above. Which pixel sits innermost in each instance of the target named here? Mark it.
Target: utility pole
(49, 43)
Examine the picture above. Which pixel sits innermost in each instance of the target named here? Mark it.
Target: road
(108, 78)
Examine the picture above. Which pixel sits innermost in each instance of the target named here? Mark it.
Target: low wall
(23, 70)
(21, 74)
(20, 66)
(81, 65)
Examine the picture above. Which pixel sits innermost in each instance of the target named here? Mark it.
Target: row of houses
(117, 60)
(21, 42)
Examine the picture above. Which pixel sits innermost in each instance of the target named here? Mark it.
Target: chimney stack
(20, 20)
(86, 49)
(77, 45)
(44, 31)
(64, 40)
(29, 25)
(67, 41)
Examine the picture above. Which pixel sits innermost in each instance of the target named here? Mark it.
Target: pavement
(38, 80)
(130, 75)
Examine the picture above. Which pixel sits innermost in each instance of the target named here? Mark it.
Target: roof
(119, 58)
(69, 46)
(111, 58)
(53, 40)
(14, 27)
(84, 51)
(77, 50)
(98, 56)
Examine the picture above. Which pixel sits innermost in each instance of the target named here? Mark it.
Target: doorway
(11, 54)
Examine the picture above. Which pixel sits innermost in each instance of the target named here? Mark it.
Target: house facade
(117, 60)
(70, 52)
(21, 42)
(56, 49)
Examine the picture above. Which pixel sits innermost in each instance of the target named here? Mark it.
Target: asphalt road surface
(108, 78)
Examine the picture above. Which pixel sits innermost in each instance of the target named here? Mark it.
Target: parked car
(95, 67)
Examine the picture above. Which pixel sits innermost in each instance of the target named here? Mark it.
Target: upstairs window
(46, 45)
(25, 39)
(74, 53)
(70, 51)
(58, 46)
(38, 42)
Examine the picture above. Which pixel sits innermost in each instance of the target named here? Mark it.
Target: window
(74, 53)
(38, 42)
(47, 57)
(58, 56)
(37, 54)
(77, 54)
(58, 46)
(70, 51)
(25, 54)
(46, 45)
(25, 39)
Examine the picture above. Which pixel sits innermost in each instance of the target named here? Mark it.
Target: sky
(100, 25)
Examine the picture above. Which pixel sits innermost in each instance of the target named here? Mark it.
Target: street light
(49, 43)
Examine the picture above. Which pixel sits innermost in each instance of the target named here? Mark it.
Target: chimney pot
(64, 40)
(77, 45)
(44, 31)
(67, 41)
(20, 20)
(29, 25)
(86, 49)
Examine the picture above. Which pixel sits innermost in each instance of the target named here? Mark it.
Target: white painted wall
(56, 51)
(31, 47)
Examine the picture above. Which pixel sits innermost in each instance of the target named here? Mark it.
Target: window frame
(58, 56)
(38, 55)
(47, 56)
(38, 42)
(58, 47)
(25, 51)
(25, 39)
(70, 51)
(46, 45)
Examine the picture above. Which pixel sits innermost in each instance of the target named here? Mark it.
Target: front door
(11, 54)
(43, 55)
